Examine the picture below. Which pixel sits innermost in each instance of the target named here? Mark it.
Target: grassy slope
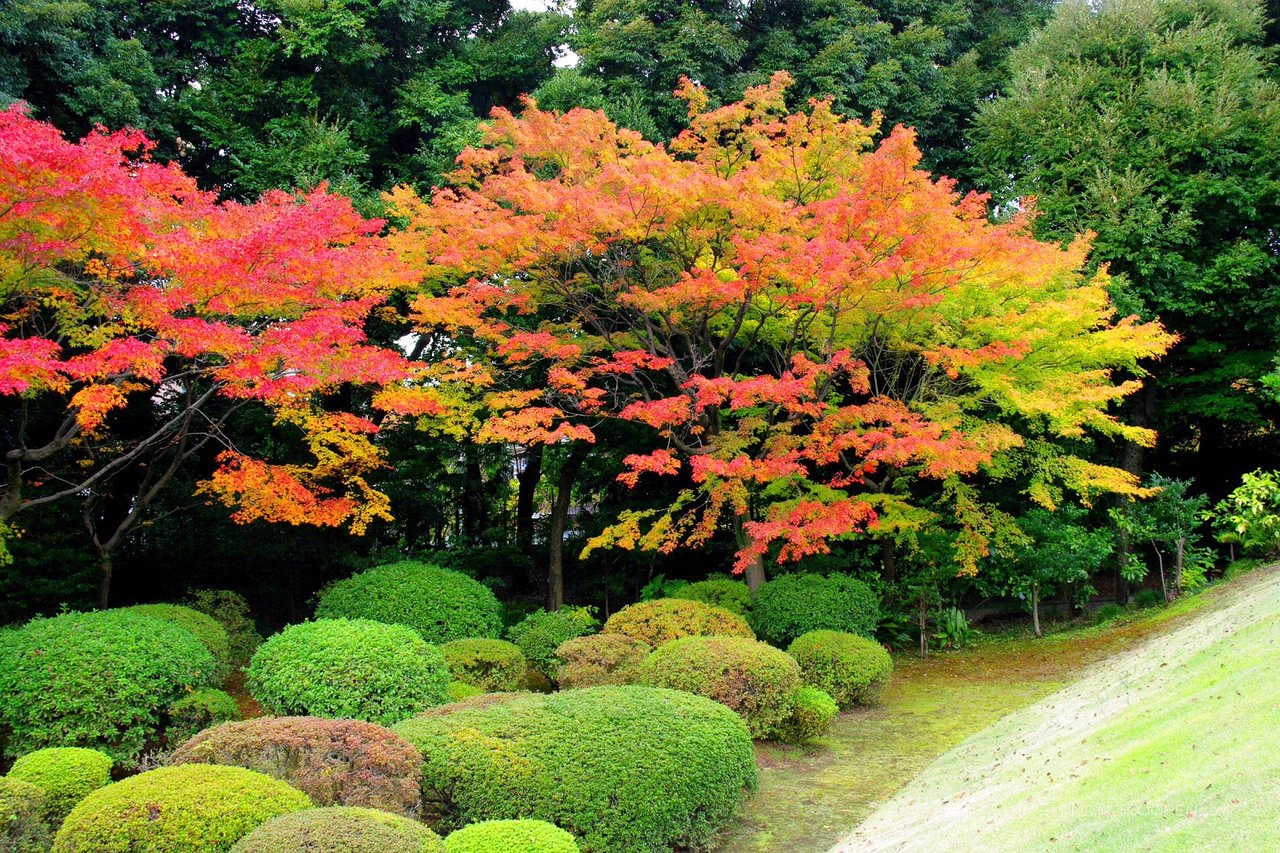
(809, 798)
(1174, 745)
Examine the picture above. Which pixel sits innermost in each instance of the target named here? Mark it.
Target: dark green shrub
(334, 762)
(231, 612)
(176, 810)
(341, 829)
(65, 775)
(665, 619)
(753, 679)
(812, 711)
(509, 836)
(540, 633)
(600, 659)
(198, 711)
(101, 680)
(1108, 613)
(348, 668)
(205, 627)
(852, 669)
(725, 593)
(459, 691)
(492, 666)
(1144, 598)
(791, 605)
(23, 828)
(440, 604)
(625, 769)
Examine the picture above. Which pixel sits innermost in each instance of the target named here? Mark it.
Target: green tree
(1169, 524)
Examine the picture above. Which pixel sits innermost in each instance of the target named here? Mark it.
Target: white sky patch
(566, 58)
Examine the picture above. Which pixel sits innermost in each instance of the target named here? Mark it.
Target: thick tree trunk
(560, 523)
(888, 562)
(1035, 609)
(473, 508)
(528, 482)
(754, 574)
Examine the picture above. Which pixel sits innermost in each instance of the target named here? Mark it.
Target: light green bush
(341, 829)
(812, 711)
(852, 669)
(509, 836)
(231, 611)
(459, 691)
(665, 619)
(205, 627)
(65, 775)
(600, 659)
(541, 632)
(492, 666)
(791, 605)
(23, 828)
(198, 711)
(725, 593)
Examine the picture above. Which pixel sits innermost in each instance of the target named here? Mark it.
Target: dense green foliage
(340, 829)
(622, 768)
(198, 711)
(23, 828)
(724, 593)
(501, 836)
(101, 680)
(205, 628)
(849, 668)
(459, 690)
(1249, 517)
(440, 604)
(796, 604)
(65, 775)
(353, 668)
(176, 810)
(541, 632)
(492, 666)
(812, 711)
(600, 659)
(665, 619)
(231, 612)
(334, 762)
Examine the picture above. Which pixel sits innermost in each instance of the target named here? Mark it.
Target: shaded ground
(810, 798)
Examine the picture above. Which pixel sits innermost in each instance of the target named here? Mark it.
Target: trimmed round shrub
(508, 836)
(812, 711)
(440, 604)
(23, 828)
(205, 627)
(491, 665)
(791, 605)
(334, 762)
(725, 593)
(665, 619)
(348, 668)
(199, 711)
(231, 611)
(65, 775)
(600, 659)
(459, 691)
(755, 680)
(101, 680)
(340, 829)
(852, 669)
(625, 769)
(539, 634)
(176, 810)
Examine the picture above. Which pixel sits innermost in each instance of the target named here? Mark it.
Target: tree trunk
(1177, 566)
(528, 480)
(754, 574)
(1035, 608)
(924, 635)
(107, 564)
(473, 508)
(1141, 413)
(888, 562)
(560, 523)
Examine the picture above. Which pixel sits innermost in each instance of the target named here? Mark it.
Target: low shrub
(600, 659)
(508, 836)
(791, 605)
(459, 691)
(101, 680)
(812, 711)
(65, 775)
(753, 679)
(1108, 612)
(334, 762)
(625, 769)
(665, 619)
(176, 810)
(440, 604)
(725, 593)
(852, 669)
(348, 668)
(1145, 598)
(205, 627)
(341, 829)
(198, 711)
(231, 611)
(23, 828)
(540, 633)
(491, 665)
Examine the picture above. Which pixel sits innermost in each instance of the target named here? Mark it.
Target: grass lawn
(811, 797)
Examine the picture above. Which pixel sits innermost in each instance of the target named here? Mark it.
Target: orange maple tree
(805, 318)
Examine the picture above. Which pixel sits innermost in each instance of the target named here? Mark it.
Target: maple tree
(140, 313)
(803, 318)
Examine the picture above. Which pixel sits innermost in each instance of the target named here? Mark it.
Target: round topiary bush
(725, 593)
(600, 659)
(754, 679)
(440, 604)
(198, 711)
(341, 829)
(508, 836)
(23, 828)
(65, 775)
(176, 810)
(791, 605)
(348, 668)
(852, 669)
(812, 711)
(665, 619)
(539, 634)
(231, 611)
(205, 627)
(101, 680)
(459, 691)
(490, 665)
(625, 769)
(334, 762)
